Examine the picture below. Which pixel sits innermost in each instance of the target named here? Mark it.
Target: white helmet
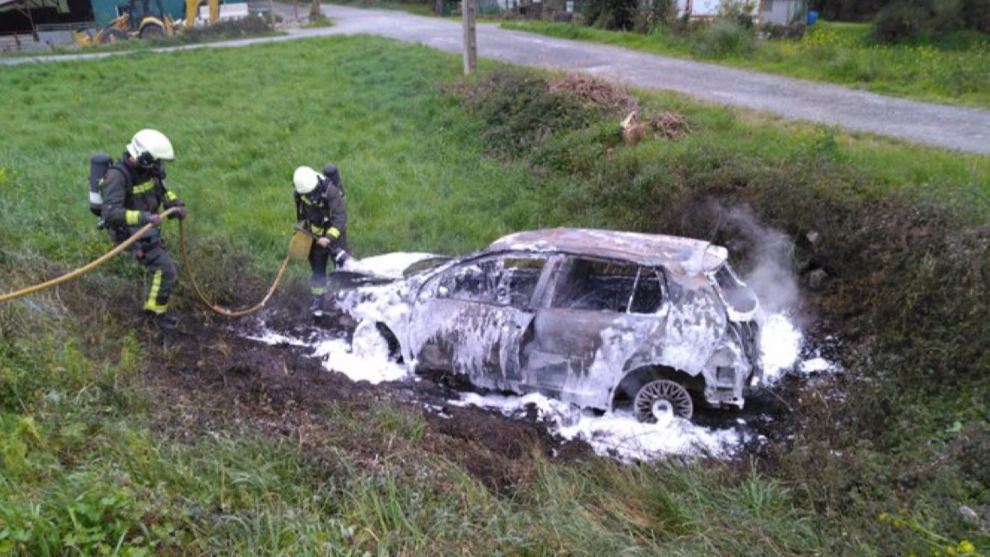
(148, 146)
(306, 179)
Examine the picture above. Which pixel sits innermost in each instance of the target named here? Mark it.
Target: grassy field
(84, 469)
(955, 71)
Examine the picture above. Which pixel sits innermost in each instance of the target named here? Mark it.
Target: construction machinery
(139, 19)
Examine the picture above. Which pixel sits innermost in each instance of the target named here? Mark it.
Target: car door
(470, 318)
(597, 313)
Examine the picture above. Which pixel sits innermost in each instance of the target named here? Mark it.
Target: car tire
(374, 340)
(661, 399)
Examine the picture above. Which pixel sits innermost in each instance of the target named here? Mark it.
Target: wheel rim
(367, 342)
(660, 399)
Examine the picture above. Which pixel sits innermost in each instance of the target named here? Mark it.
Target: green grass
(954, 71)
(322, 22)
(84, 469)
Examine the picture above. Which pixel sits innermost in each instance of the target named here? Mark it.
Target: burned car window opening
(506, 281)
(588, 284)
(648, 292)
(736, 293)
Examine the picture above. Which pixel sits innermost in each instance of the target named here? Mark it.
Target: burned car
(602, 319)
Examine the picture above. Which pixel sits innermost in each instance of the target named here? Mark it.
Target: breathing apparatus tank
(99, 164)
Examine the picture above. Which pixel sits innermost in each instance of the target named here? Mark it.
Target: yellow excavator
(138, 20)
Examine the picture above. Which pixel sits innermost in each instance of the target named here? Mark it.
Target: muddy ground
(210, 378)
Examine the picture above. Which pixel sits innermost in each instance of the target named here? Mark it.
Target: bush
(976, 15)
(740, 12)
(722, 38)
(521, 111)
(611, 14)
(898, 21)
(652, 15)
(250, 25)
(774, 31)
(917, 19)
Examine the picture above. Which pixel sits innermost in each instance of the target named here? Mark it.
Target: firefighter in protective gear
(321, 210)
(133, 192)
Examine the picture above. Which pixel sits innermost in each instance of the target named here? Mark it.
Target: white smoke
(769, 269)
(771, 256)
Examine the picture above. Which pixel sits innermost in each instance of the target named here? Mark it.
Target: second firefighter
(321, 210)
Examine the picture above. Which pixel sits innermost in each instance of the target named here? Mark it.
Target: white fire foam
(364, 359)
(387, 265)
(270, 337)
(780, 345)
(615, 435)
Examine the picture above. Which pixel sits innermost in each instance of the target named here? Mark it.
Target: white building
(780, 12)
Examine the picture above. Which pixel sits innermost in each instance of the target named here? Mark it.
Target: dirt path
(966, 129)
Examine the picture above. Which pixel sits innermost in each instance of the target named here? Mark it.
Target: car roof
(677, 254)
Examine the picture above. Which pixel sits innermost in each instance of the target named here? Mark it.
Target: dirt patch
(211, 379)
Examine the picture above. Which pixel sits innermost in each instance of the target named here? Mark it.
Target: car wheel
(374, 341)
(661, 399)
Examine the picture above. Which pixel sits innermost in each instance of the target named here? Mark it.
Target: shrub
(250, 25)
(722, 38)
(793, 31)
(917, 19)
(898, 21)
(521, 111)
(976, 15)
(740, 12)
(611, 14)
(652, 15)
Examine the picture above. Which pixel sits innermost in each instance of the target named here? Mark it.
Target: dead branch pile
(596, 92)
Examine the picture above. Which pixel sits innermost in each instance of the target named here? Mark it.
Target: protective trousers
(160, 278)
(319, 258)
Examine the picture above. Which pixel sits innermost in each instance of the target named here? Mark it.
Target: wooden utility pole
(469, 9)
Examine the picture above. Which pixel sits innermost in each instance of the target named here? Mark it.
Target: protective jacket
(324, 213)
(130, 196)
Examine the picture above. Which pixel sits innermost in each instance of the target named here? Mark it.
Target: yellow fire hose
(293, 252)
(298, 250)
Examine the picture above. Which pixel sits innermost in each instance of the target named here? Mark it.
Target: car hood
(388, 265)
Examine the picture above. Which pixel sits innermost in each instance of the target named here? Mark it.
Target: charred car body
(602, 319)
